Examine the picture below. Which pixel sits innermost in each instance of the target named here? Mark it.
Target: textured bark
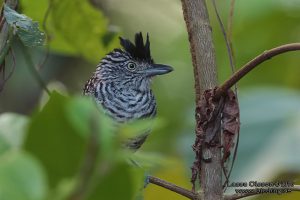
(172, 187)
(204, 63)
(202, 50)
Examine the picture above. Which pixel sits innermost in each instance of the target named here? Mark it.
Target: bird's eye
(131, 66)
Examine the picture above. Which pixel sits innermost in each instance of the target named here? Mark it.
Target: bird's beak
(158, 69)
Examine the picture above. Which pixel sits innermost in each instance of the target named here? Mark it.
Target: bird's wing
(90, 86)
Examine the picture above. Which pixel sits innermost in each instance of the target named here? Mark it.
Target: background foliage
(43, 140)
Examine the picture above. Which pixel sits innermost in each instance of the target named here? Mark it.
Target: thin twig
(225, 37)
(230, 28)
(229, 40)
(254, 63)
(3, 65)
(48, 38)
(6, 38)
(170, 186)
(232, 163)
(226, 176)
(13, 65)
(2, 70)
(240, 196)
(228, 43)
(2, 20)
(32, 68)
(5, 79)
(6, 46)
(46, 16)
(230, 21)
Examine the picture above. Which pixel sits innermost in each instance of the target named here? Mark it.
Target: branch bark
(201, 46)
(205, 74)
(172, 187)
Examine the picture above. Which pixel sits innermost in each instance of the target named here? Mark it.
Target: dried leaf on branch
(231, 123)
(210, 114)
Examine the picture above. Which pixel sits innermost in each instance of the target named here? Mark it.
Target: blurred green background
(43, 140)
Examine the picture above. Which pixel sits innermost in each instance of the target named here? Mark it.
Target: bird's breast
(125, 105)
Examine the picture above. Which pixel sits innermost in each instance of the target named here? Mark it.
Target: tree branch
(170, 186)
(254, 63)
(240, 196)
(230, 23)
(205, 74)
(201, 47)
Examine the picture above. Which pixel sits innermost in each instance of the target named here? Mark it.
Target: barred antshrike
(121, 84)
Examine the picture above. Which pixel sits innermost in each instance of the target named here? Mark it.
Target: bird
(121, 84)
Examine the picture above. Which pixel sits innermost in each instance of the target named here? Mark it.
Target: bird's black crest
(139, 50)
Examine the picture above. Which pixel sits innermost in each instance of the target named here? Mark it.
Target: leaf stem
(33, 70)
(6, 46)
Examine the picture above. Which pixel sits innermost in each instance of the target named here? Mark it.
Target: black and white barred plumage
(121, 83)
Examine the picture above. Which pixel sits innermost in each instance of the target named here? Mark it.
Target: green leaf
(150, 160)
(54, 141)
(75, 27)
(12, 131)
(82, 33)
(87, 117)
(62, 190)
(36, 9)
(80, 112)
(21, 177)
(139, 127)
(27, 30)
(120, 182)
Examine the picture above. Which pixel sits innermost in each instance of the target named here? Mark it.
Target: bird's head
(131, 66)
